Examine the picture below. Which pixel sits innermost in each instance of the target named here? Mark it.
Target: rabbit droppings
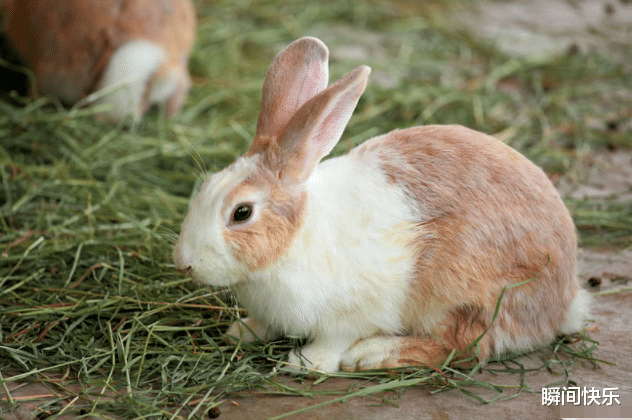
(391, 255)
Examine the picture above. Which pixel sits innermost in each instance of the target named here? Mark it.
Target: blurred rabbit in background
(135, 50)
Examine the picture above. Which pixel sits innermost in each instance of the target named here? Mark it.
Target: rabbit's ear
(297, 74)
(317, 126)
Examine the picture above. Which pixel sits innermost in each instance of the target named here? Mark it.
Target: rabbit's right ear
(297, 74)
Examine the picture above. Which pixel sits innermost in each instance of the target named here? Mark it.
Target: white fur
(577, 313)
(126, 77)
(164, 87)
(346, 274)
(200, 245)
(344, 277)
(249, 330)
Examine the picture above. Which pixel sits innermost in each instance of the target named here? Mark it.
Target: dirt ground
(540, 28)
(536, 28)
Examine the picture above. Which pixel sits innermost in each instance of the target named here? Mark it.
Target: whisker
(194, 154)
(168, 234)
(199, 162)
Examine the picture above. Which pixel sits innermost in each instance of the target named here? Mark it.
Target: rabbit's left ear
(317, 126)
(297, 74)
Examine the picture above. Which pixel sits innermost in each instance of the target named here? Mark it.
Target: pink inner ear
(301, 88)
(329, 132)
(314, 82)
(316, 127)
(296, 75)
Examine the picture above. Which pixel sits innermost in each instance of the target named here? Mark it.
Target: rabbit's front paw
(312, 357)
(248, 330)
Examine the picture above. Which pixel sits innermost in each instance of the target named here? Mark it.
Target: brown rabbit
(391, 255)
(136, 49)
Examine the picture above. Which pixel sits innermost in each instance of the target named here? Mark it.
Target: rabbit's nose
(185, 271)
(181, 257)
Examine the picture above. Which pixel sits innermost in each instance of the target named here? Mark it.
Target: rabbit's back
(485, 217)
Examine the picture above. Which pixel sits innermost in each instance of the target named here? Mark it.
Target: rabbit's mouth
(215, 278)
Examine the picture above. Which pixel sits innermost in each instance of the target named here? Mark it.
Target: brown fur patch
(487, 218)
(264, 241)
(462, 327)
(283, 159)
(261, 143)
(418, 351)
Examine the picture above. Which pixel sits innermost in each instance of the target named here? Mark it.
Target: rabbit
(389, 256)
(136, 51)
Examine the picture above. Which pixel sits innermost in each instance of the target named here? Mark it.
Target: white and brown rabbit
(391, 255)
(136, 49)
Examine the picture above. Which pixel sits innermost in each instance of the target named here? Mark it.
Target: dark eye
(242, 213)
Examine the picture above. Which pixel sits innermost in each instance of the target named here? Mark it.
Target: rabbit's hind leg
(380, 352)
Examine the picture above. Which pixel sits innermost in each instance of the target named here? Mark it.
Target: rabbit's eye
(242, 213)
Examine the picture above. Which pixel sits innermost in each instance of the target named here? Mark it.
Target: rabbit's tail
(136, 76)
(577, 313)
